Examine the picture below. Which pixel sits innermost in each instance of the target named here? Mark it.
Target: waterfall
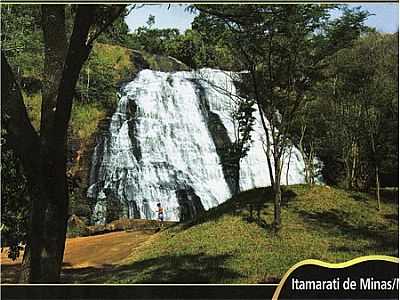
(159, 148)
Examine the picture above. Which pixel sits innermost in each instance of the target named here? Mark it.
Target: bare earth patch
(84, 255)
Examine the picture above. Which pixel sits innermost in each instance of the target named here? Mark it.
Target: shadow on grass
(392, 217)
(360, 197)
(245, 203)
(164, 269)
(266, 201)
(336, 222)
(10, 273)
(388, 195)
(248, 204)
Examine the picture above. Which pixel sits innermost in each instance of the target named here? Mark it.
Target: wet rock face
(189, 204)
(163, 144)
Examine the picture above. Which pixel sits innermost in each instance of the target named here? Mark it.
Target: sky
(385, 18)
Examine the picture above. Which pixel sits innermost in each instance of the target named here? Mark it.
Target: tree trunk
(308, 163)
(25, 272)
(236, 178)
(378, 187)
(347, 169)
(25, 143)
(87, 83)
(48, 217)
(288, 165)
(43, 254)
(264, 125)
(277, 194)
(354, 154)
(377, 181)
(44, 158)
(311, 164)
(271, 174)
(311, 172)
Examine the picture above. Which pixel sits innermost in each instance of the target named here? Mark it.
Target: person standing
(160, 213)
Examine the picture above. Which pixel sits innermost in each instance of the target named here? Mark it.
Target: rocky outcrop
(77, 227)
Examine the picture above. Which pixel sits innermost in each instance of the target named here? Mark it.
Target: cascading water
(159, 148)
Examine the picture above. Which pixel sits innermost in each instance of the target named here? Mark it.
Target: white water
(169, 147)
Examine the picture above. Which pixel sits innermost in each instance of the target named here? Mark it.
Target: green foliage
(22, 42)
(313, 71)
(243, 120)
(282, 48)
(107, 67)
(343, 31)
(116, 34)
(195, 47)
(152, 40)
(214, 43)
(85, 119)
(184, 47)
(77, 227)
(14, 200)
(244, 117)
(355, 105)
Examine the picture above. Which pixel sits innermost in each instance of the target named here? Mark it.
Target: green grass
(115, 58)
(85, 119)
(228, 244)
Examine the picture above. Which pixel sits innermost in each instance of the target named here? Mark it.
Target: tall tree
(44, 156)
(282, 48)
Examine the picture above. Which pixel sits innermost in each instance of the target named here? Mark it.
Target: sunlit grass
(227, 245)
(85, 119)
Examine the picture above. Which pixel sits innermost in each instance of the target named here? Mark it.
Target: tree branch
(21, 135)
(114, 16)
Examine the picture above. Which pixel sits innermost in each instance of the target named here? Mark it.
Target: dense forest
(334, 83)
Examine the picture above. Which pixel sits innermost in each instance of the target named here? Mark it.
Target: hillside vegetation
(234, 242)
(108, 67)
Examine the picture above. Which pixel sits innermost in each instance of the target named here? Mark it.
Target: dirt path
(93, 253)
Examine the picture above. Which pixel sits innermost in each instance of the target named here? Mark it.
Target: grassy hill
(234, 243)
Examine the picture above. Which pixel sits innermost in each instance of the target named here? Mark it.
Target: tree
(305, 135)
(282, 48)
(213, 43)
(15, 200)
(117, 34)
(16, 23)
(23, 43)
(44, 157)
(243, 119)
(360, 109)
(153, 40)
(378, 59)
